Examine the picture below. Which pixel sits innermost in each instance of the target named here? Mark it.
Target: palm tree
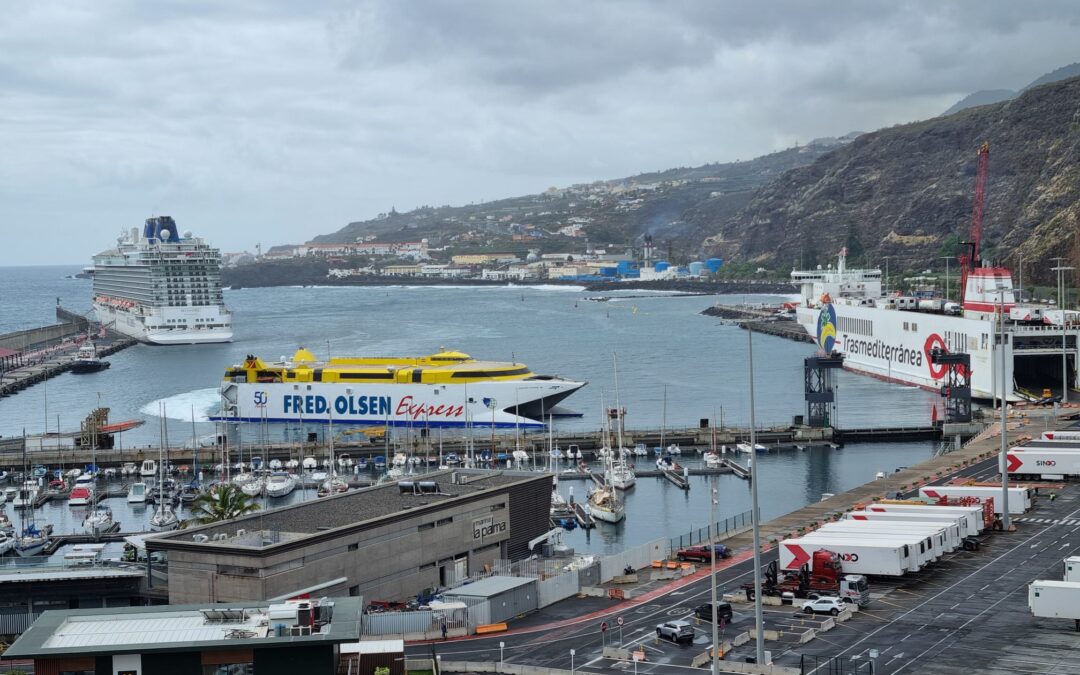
(224, 501)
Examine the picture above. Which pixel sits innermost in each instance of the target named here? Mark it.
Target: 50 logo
(261, 398)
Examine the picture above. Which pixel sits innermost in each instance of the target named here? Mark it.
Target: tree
(224, 501)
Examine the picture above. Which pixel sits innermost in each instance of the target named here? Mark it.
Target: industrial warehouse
(388, 541)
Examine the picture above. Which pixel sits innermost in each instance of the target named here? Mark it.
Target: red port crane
(969, 260)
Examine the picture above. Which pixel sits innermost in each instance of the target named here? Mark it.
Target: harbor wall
(25, 340)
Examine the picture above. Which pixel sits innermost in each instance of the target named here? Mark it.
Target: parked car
(702, 553)
(824, 605)
(676, 631)
(723, 611)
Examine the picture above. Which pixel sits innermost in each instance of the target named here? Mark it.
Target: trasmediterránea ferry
(892, 337)
(447, 389)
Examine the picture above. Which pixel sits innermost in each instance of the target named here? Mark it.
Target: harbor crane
(971, 259)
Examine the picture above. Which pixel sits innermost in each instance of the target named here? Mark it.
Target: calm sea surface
(665, 348)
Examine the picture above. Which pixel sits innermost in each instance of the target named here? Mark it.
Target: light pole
(712, 584)
(501, 645)
(887, 275)
(572, 652)
(755, 514)
(1003, 460)
(947, 259)
(1060, 269)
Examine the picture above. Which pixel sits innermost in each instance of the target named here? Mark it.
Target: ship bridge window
(491, 373)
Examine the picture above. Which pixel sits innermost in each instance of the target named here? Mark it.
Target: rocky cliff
(907, 191)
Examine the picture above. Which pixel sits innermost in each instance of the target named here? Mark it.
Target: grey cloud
(289, 119)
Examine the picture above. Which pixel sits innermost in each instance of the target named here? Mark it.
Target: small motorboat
(80, 495)
(310, 464)
(291, 465)
(137, 493)
(148, 469)
(280, 484)
(275, 465)
(189, 493)
(379, 462)
(10, 492)
(128, 469)
(332, 485)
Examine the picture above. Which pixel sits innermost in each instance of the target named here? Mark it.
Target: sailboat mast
(618, 406)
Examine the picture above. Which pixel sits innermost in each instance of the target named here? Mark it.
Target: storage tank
(714, 264)
(662, 266)
(696, 268)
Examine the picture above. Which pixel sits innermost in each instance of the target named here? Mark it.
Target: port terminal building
(388, 541)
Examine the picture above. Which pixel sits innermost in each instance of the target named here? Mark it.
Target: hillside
(617, 211)
(988, 96)
(906, 192)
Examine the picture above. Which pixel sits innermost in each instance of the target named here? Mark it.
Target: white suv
(676, 631)
(825, 605)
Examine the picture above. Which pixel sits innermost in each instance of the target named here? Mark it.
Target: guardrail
(712, 532)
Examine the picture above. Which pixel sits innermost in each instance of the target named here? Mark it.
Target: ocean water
(675, 365)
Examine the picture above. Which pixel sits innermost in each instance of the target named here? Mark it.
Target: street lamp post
(712, 583)
(1061, 269)
(572, 652)
(1003, 460)
(754, 511)
(947, 259)
(501, 646)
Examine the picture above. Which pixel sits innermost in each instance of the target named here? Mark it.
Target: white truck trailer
(920, 545)
(859, 554)
(1072, 568)
(961, 522)
(973, 514)
(1034, 462)
(942, 540)
(1019, 497)
(1066, 435)
(1055, 600)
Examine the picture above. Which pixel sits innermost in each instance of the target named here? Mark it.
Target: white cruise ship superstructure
(162, 288)
(892, 337)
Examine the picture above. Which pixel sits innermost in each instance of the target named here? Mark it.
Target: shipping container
(866, 556)
(973, 514)
(920, 550)
(1019, 497)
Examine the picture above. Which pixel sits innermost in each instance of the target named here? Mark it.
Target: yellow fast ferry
(445, 389)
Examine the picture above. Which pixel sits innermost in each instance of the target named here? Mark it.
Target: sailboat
(32, 541)
(620, 475)
(164, 518)
(333, 484)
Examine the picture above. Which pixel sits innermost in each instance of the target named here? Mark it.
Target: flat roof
(489, 587)
(299, 524)
(164, 628)
(33, 573)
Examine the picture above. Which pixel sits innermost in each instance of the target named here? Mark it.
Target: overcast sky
(273, 122)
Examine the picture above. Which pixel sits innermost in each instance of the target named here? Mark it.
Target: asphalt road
(968, 611)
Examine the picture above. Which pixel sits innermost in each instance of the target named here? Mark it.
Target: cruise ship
(161, 288)
(892, 337)
(446, 389)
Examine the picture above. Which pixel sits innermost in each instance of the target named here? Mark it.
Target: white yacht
(604, 505)
(280, 484)
(26, 495)
(148, 469)
(137, 493)
(162, 288)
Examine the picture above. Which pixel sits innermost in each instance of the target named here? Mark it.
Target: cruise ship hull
(895, 345)
(135, 326)
(481, 404)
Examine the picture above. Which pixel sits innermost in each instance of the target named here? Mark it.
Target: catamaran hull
(503, 404)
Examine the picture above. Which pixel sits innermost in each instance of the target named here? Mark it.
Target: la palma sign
(485, 527)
